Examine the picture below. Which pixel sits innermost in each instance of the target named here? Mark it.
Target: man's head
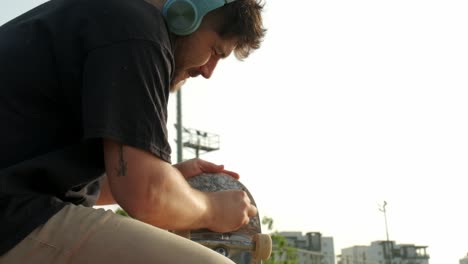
(234, 27)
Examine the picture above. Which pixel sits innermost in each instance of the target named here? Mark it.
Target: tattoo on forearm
(122, 166)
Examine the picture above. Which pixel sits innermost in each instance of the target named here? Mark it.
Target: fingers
(232, 174)
(252, 210)
(206, 166)
(232, 210)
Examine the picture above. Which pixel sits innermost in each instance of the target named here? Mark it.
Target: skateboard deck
(247, 245)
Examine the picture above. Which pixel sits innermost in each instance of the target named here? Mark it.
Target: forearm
(153, 191)
(178, 206)
(170, 203)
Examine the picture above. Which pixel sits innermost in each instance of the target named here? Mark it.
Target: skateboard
(247, 245)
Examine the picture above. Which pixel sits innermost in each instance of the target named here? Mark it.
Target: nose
(207, 69)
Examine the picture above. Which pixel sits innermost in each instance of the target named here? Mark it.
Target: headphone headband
(184, 16)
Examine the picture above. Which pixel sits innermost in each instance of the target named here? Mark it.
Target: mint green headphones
(185, 16)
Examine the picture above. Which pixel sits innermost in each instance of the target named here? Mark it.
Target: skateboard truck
(235, 246)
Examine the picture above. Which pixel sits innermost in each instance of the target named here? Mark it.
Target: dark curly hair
(241, 19)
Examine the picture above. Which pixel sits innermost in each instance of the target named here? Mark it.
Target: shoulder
(103, 22)
(134, 19)
(133, 13)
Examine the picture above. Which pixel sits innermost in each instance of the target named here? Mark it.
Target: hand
(231, 209)
(195, 167)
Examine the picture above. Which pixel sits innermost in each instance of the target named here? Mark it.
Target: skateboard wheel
(263, 246)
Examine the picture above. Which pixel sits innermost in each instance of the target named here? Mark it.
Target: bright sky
(347, 104)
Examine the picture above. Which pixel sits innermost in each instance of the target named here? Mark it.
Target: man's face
(198, 54)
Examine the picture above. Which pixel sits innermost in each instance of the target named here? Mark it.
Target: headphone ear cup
(181, 16)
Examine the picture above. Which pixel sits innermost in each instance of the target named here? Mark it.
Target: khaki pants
(80, 234)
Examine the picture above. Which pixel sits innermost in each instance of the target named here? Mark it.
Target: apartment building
(311, 248)
(464, 260)
(384, 252)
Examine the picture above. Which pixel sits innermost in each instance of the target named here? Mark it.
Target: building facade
(311, 248)
(464, 260)
(384, 252)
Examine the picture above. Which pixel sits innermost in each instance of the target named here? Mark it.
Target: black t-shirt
(71, 73)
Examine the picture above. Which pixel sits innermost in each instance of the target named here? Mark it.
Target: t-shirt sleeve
(125, 95)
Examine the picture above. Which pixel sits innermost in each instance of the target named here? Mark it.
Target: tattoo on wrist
(122, 166)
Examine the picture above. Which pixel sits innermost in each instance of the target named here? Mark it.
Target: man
(84, 86)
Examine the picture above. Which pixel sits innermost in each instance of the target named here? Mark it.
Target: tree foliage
(121, 211)
(281, 253)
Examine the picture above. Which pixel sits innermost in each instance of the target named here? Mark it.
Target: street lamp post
(179, 127)
(192, 138)
(388, 246)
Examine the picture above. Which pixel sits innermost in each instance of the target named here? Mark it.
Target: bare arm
(187, 168)
(155, 192)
